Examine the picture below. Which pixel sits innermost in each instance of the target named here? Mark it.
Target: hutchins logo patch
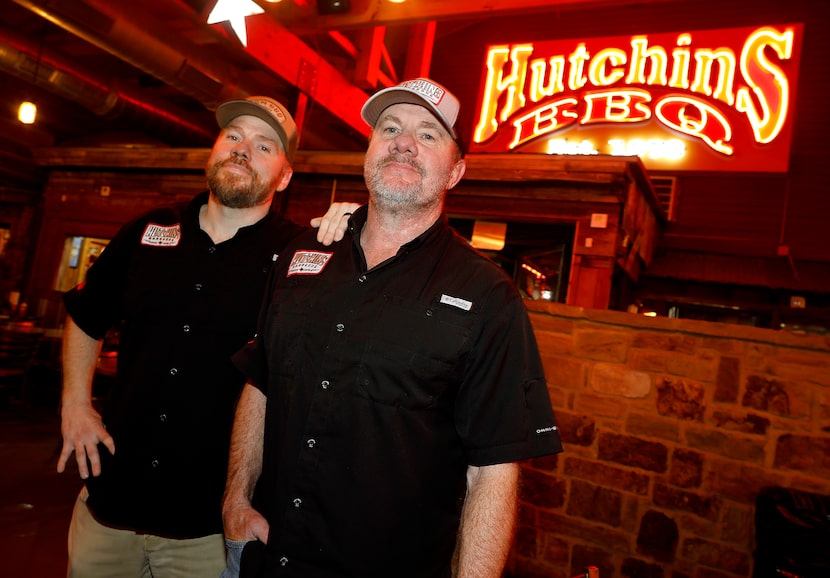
(308, 263)
(162, 235)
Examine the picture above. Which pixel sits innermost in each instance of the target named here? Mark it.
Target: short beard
(235, 191)
(398, 198)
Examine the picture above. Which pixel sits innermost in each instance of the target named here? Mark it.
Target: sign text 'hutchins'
(716, 90)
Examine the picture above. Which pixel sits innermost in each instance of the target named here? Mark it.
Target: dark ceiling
(149, 72)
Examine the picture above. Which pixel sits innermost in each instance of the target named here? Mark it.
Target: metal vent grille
(667, 190)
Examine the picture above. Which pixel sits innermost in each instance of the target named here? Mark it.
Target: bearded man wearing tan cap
(394, 384)
(183, 284)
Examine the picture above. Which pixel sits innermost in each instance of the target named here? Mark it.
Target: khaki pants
(98, 551)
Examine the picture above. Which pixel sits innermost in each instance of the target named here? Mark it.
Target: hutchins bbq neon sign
(723, 92)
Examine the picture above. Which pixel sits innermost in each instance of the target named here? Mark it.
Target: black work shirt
(382, 387)
(184, 305)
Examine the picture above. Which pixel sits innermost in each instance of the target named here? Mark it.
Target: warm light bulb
(397, 1)
(27, 113)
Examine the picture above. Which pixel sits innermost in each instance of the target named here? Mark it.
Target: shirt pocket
(414, 355)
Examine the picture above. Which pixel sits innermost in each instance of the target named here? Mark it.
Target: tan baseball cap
(267, 109)
(422, 91)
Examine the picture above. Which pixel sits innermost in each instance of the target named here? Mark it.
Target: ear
(457, 172)
(285, 178)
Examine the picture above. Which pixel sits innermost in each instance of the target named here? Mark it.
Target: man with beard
(183, 284)
(394, 383)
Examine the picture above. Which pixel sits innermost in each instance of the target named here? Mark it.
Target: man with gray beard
(183, 285)
(394, 383)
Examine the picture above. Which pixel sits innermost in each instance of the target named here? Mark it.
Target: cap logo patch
(456, 302)
(431, 92)
(275, 111)
(162, 235)
(308, 263)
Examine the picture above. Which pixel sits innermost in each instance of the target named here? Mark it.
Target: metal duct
(126, 30)
(18, 56)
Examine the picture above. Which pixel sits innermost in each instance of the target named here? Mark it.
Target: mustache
(234, 160)
(401, 159)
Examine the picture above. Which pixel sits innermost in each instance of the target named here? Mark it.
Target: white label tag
(456, 302)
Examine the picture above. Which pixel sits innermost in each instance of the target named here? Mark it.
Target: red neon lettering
(544, 120)
(617, 106)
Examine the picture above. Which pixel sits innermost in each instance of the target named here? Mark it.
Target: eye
(265, 148)
(390, 129)
(428, 136)
(233, 137)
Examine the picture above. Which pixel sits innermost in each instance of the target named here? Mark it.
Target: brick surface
(727, 444)
(595, 503)
(738, 482)
(716, 555)
(805, 453)
(601, 345)
(686, 468)
(542, 490)
(634, 568)
(577, 529)
(607, 475)
(643, 424)
(576, 429)
(705, 506)
(728, 381)
(618, 379)
(632, 451)
(658, 536)
(680, 398)
(745, 423)
(730, 409)
(664, 341)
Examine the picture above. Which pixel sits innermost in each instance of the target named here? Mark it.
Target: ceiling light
(27, 113)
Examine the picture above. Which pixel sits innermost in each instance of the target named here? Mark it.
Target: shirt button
(154, 463)
(324, 384)
(198, 286)
(186, 328)
(283, 561)
(212, 250)
(340, 327)
(163, 417)
(173, 371)
(297, 502)
(362, 278)
(311, 442)
(429, 312)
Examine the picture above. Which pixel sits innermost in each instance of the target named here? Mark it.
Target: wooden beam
(296, 62)
(306, 20)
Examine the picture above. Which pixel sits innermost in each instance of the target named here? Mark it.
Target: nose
(240, 149)
(404, 143)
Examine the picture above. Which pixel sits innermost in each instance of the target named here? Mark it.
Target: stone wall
(671, 427)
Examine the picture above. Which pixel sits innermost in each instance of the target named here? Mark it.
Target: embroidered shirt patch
(162, 235)
(456, 302)
(308, 263)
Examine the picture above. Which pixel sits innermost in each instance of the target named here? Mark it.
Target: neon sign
(699, 100)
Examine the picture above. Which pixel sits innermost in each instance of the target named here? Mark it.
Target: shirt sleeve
(503, 411)
(97, 304)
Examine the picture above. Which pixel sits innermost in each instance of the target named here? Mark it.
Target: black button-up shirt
(183, 305)
(383, 386)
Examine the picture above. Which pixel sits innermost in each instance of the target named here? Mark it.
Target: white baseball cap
(421, 91)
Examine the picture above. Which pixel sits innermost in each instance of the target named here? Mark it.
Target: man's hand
(82, 431)
(244, 524)
(332, 226)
